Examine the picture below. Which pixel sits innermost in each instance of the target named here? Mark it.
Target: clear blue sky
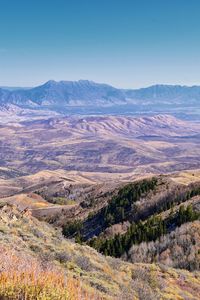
(127, 43)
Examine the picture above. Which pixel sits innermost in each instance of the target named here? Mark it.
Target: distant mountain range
(84, 95)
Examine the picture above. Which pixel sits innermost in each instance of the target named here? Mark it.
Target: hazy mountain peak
(50, 83)
(89, 95)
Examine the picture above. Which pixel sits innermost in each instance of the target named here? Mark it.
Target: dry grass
(187, 177)
(36, 262)
(26, 278)
(45, 286)
(106, 144)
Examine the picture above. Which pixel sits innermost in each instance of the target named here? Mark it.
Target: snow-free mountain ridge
(85, 96)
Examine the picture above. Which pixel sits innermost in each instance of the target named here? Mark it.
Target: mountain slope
(145, 214)
(70, 93)
(156, 144)
(84, 93)
(178, 249)
(167, 94)
(37, 250)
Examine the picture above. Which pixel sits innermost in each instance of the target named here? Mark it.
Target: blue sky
(126, 43)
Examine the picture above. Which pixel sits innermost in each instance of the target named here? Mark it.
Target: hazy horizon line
(19, 86)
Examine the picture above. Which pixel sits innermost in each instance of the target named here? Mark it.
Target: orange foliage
(25, 278)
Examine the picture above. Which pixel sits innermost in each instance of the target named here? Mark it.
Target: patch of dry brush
(24, 277)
